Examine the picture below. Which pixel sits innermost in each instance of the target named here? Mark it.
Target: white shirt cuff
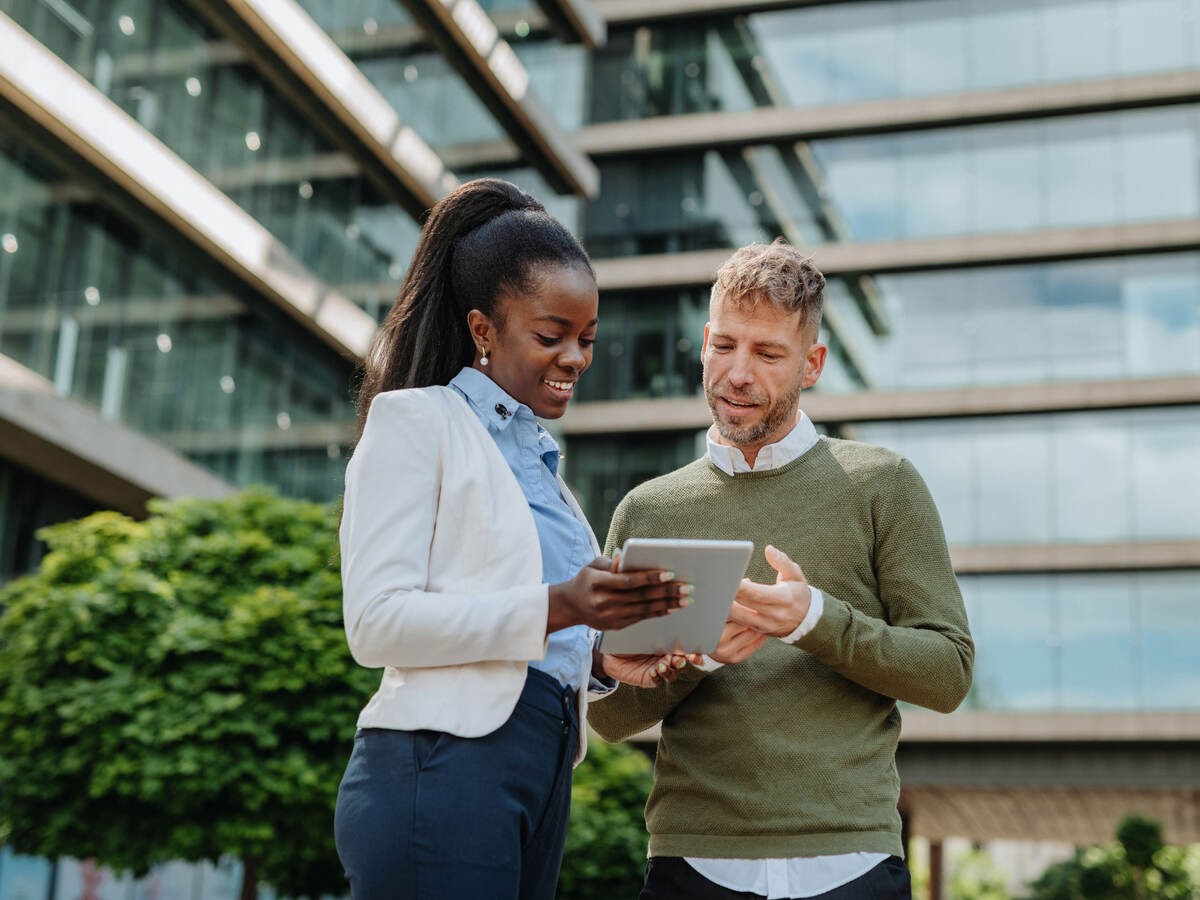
(815, 607)
(709, 664)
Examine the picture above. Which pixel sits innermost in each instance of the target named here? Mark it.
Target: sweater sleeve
(923, 653)
(631, 710)
(393, 488)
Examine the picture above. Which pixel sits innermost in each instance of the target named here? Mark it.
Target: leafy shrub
(605, 855)
(180, 688)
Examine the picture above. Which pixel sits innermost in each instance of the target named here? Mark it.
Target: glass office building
(202, 223)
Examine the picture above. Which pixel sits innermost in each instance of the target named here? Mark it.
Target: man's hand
(778, 609)
(645, 670)
(737, 643)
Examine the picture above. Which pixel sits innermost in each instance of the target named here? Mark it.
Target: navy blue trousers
(425, 815)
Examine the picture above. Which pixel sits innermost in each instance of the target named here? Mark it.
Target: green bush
(180, 688)
(1138, 866)
(976, 877)
(605, 855)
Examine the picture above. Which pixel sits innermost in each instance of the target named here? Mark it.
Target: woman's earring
(482, 357)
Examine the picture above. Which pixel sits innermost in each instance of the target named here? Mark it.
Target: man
(776, 776)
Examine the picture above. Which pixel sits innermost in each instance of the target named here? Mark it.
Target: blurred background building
(207, 205)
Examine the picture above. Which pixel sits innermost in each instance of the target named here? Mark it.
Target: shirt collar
(492, 404)
(791, 446)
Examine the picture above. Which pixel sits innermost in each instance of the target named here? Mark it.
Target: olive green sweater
(792, 752)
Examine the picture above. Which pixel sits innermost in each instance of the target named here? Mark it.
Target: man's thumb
(788, 569)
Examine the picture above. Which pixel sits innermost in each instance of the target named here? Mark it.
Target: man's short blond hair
(777, 273)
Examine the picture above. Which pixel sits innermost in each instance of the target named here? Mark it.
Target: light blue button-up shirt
(532, 454)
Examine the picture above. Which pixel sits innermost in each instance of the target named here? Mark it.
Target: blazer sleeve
(393, 486)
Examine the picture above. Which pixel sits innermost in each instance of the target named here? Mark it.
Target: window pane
(1057, 477)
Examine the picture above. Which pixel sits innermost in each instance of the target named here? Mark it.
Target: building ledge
(70, 444)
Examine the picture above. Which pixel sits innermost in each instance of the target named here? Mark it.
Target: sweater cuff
(835, 617)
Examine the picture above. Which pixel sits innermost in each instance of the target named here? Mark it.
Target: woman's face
(543, 340)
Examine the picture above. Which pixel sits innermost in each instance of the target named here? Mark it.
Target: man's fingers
(745, 616)
(788, 569)
(759, 596)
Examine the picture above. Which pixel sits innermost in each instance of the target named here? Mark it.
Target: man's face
(757, 358)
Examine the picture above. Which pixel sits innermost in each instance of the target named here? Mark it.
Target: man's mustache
(734, 397)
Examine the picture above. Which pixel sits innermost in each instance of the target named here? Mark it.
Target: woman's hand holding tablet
(605, 599)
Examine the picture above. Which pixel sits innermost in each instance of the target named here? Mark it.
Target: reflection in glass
(150, 334)
(1122, 475)
(1099, 169)
(1111, 641)
(602, 470)
(430, 96)
(1073, 321)
(195, 92)
(1068, 171)
(701, 201)
(860, 51)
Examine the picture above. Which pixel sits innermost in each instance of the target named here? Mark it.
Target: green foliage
(605, 855)
(1141, 839)
(976, 877)
(180, 688)
(1138, 866)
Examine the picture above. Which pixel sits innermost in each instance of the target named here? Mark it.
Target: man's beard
(779, 412)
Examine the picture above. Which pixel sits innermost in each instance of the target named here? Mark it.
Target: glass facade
(162, 63)
(1089, 170)
(867, 50)
(704, 200)
(120, 318)
(1130, 317)
(1119, 475)
(1104, 169)
(601, 470)
(1085, 642)
(424, 88)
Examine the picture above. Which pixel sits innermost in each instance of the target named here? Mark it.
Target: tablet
(714, 568)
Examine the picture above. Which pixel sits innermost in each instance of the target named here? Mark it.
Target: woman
(469, 571)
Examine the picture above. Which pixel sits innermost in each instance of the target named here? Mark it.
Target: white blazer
(442, 568)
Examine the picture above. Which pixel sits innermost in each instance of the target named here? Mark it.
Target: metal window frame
(691, 413)
(575, 21)
(75, 115)
(471, 43)
(305, 64)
